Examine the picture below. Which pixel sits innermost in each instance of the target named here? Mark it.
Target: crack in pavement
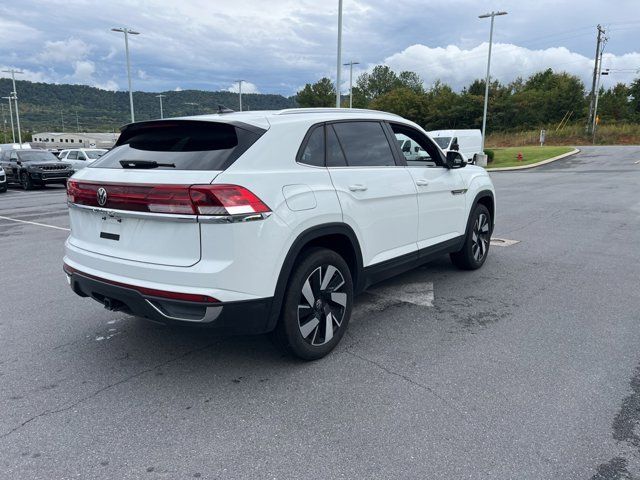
(105, 388)
(408, 379)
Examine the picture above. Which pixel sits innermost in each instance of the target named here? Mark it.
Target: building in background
(53, 140)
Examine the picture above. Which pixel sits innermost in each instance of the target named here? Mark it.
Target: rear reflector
(176, 199)
(151, 292)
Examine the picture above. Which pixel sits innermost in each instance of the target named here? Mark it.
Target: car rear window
(185, 145)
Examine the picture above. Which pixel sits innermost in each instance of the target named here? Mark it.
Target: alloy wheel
(322, 305)
(480, 237)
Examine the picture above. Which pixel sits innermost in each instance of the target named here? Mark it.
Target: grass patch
(508, 157)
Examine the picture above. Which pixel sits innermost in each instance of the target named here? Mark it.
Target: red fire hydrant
(519, 156)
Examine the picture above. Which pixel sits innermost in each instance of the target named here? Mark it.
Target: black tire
(3, 188)
(477, 240)
(308, 309)
(25, 181)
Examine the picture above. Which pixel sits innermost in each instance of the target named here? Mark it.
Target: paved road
(528, 368)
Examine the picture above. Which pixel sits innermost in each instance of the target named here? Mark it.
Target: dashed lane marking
(34, 223)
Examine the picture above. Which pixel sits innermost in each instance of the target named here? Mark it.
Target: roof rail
(293, 111)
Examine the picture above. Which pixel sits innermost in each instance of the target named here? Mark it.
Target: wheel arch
(339, 237)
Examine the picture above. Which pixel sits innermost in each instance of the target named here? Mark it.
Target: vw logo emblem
(102, 196)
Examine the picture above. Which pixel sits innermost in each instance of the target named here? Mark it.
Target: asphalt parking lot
(527, 368)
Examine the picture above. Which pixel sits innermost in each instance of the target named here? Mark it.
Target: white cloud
(108, 85)
(459, 67)
(247, 87)
(142, 75)
(83, 71)
(25, 75)
(63, 51)
(177, 89)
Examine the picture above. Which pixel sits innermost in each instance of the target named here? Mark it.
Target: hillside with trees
(43, 106)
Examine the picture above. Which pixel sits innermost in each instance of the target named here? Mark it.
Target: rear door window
(312, 151)
(364, 144)
(182, 145)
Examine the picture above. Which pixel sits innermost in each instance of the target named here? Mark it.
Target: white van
(469, 142)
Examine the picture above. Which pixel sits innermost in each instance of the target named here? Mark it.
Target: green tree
(411, 80)
(380, 81)
(404, 102)
(320, 94)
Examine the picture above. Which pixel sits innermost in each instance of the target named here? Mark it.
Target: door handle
(358, 187)
(422, 183)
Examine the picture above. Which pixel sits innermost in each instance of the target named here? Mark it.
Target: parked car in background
(3, 180)
(79, 158)
(467, 142)
(269, 221)
(31, 167)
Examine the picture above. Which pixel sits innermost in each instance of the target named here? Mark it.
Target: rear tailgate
(145, 214)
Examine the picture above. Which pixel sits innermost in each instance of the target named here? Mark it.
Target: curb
(534, 165)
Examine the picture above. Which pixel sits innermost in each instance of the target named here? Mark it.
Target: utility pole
(128, 32)
(596, 68)
(15, 99)
(491, 15)
(13, 131)
(240, 92)
(351, 64)
(161, 112)
(4, 125)
(339, 62)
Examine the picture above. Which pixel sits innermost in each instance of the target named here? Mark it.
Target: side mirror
(416, 149)
(455, 160)
(406, 149)
(455, 146)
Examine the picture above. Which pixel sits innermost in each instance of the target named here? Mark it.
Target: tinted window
(364, 144)
(312, 152)
(72, 156)
(335, 155)
(36, 156)
(422, 151)
(443, 142)
(188, 145)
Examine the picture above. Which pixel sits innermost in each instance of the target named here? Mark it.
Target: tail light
(176, 199)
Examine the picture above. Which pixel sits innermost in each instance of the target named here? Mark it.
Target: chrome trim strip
(245, 217)
(461, 191)
(173, 217)
(210, 314)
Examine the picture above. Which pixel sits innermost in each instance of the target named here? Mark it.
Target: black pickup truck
(30, 168)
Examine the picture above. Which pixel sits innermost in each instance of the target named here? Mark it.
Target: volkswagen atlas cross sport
(258, 222)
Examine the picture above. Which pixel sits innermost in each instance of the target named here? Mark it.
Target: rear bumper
(243, 317)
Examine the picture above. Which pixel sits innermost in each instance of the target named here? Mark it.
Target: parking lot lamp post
(351, 64)
(15, 99)
(160, 98)
(128, 32)
(240, 93)
(13, 132)
(491, 15)
(339, 62)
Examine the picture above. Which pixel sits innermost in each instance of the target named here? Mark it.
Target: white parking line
(34, 223)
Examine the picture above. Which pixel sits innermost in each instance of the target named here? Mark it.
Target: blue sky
(279, 45)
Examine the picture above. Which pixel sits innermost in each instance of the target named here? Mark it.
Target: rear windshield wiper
(144, 164)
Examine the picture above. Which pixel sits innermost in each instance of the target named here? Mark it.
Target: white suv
(269, 221)
(81, 157)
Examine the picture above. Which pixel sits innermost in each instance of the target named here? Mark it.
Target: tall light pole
(13, 132)
(15, 99)
(339, 62)
(486, 85)
(240, 92)
(351, 64)
(4, 125)
(128, 32)
(161, 112)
